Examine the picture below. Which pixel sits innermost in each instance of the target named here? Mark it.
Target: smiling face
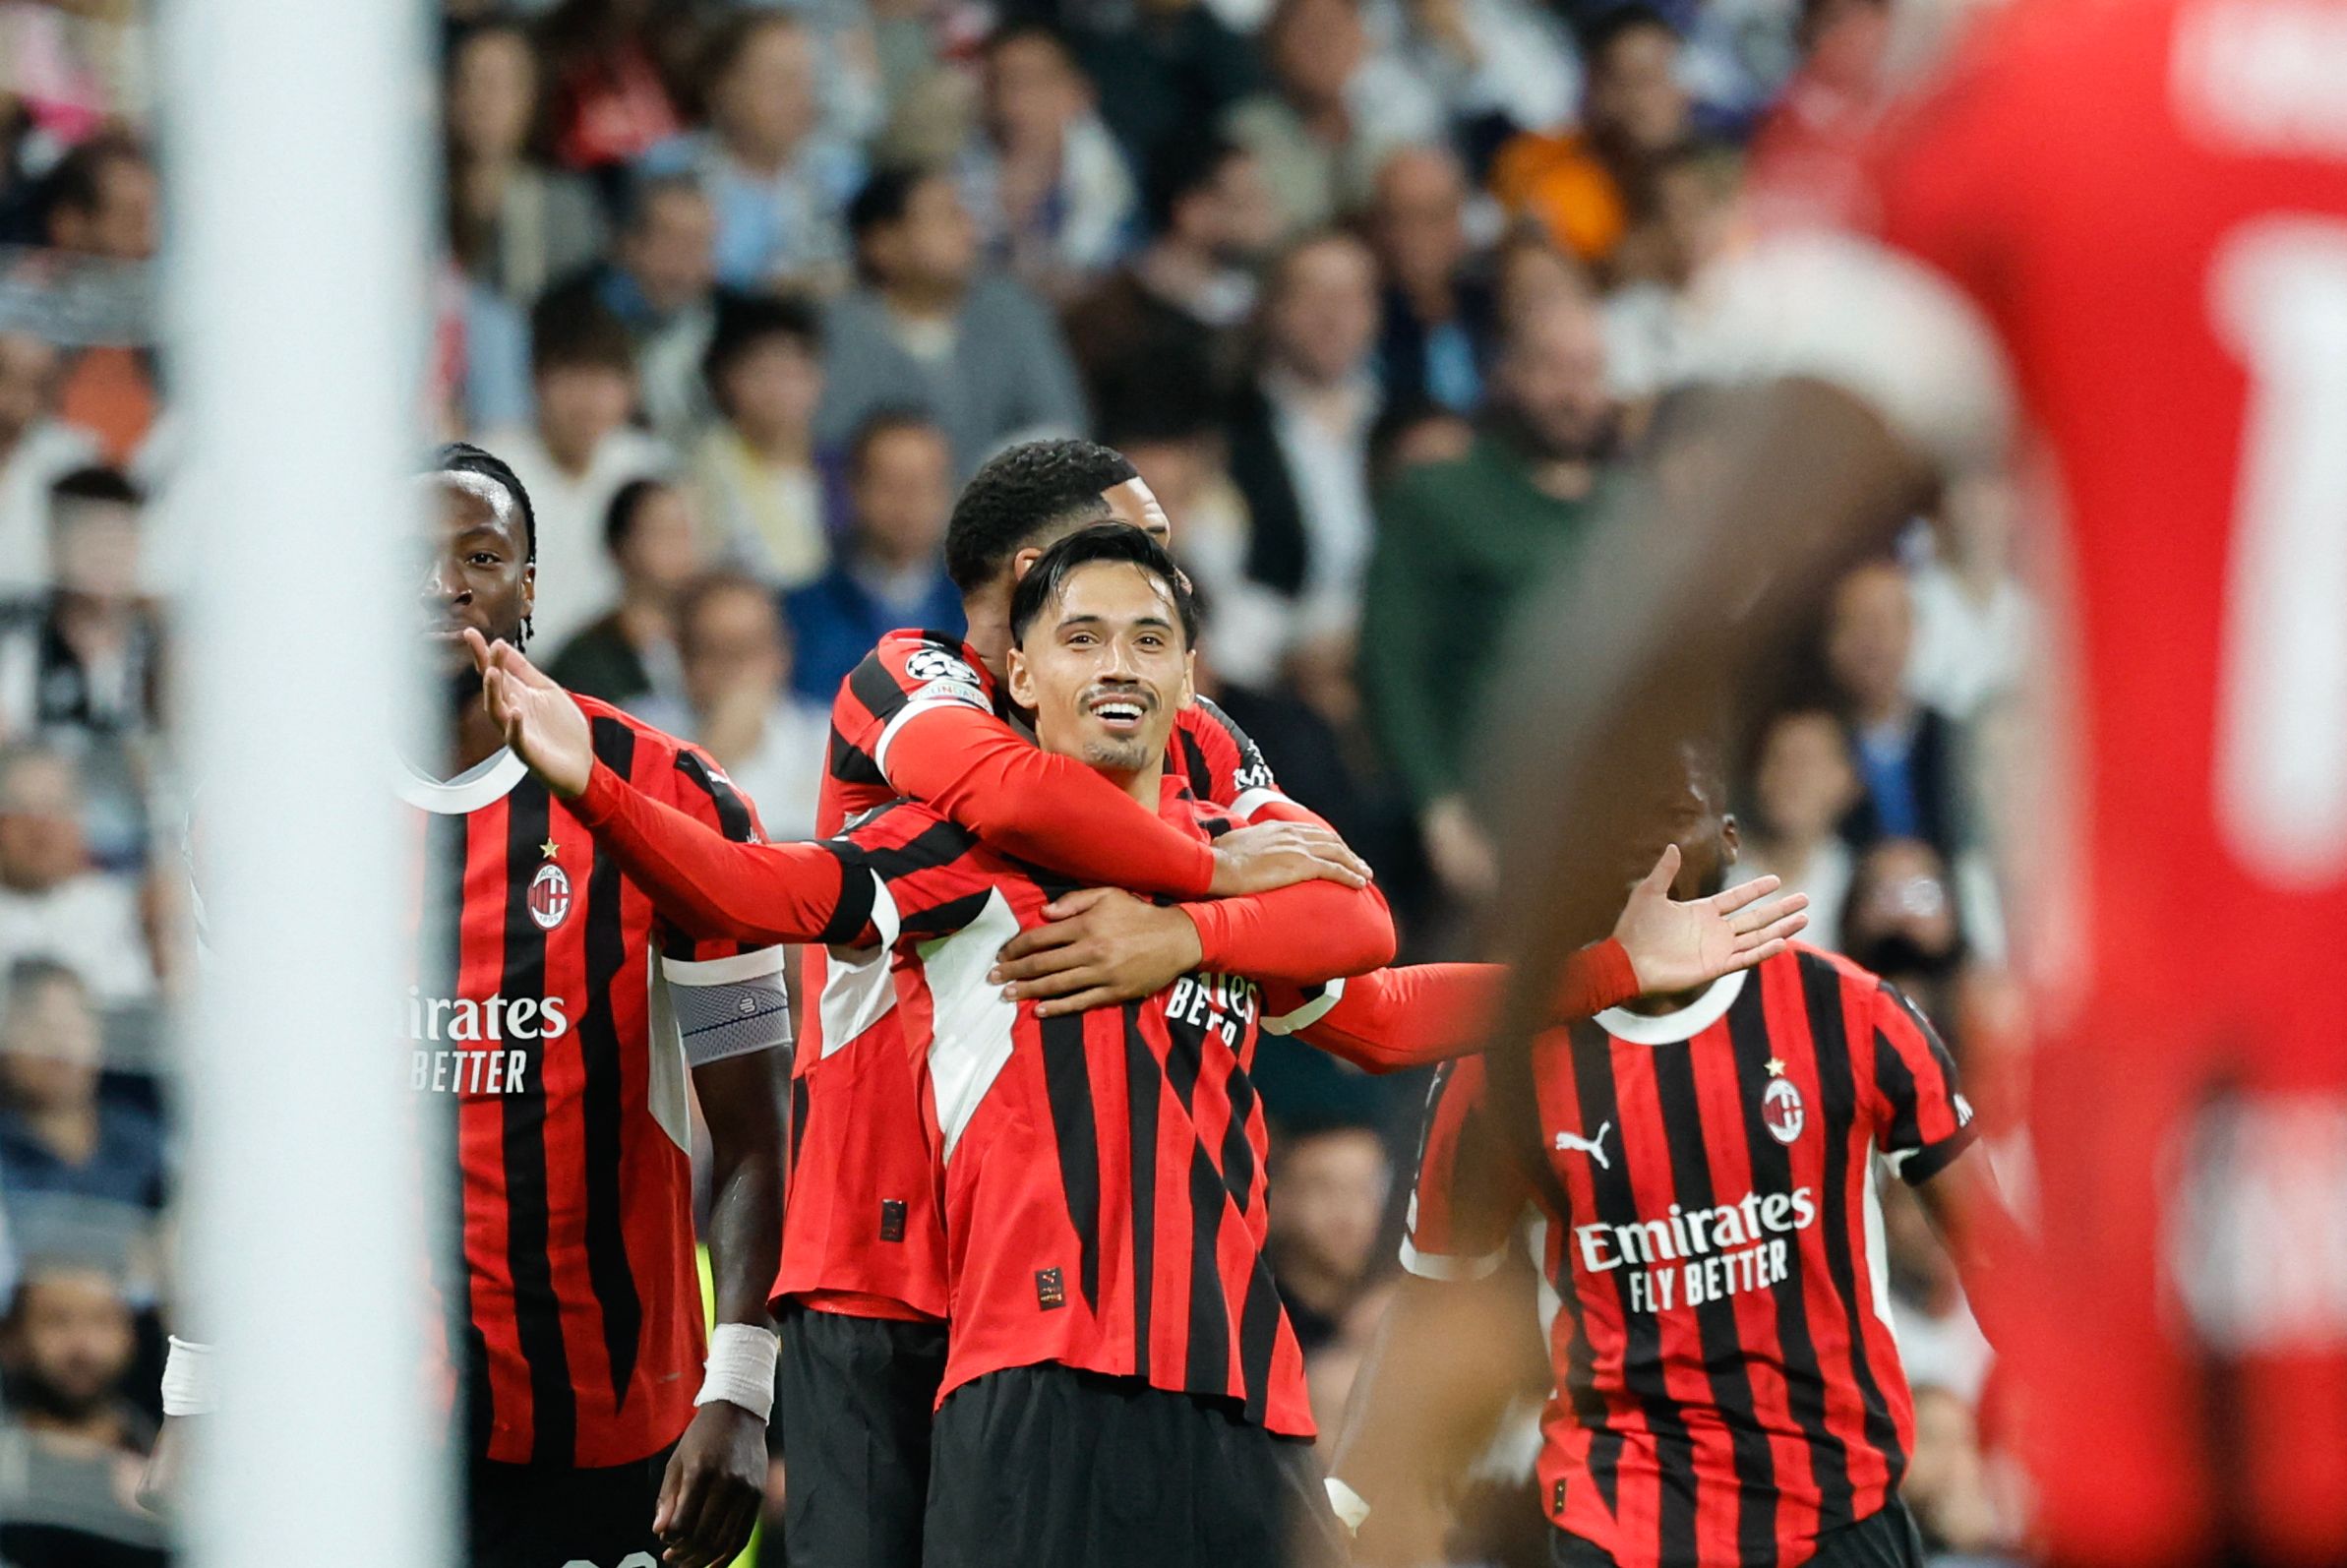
(476, 569)
(1105, 668)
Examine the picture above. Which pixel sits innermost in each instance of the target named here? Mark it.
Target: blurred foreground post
(295, 163)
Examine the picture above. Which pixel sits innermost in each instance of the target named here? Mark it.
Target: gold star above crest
(1775, 1067)
(550, 849)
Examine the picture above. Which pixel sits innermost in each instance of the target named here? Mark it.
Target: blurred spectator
(84, 657)
(70, 1454)
(104, 201)
(1802, 784)
(1529, 273)
(891, 571)
(59, 1139)
(1947, 1484)
(779, 183)
(1299, 449)
(1335, 111)
(1808, 157)
(1938, 1343)
(612, 90)
(928, 328)
(1458, 544)
(658, 283)
(36, 450)
(761, 486)
(736, 667)
(1901, 921)
(1333, 1184)
(517, 225)
(1439, 319)
(1183, 300)
(1975, 630)
(577, 455)
(1045, 182)
(52, 905)
(655, 544)
(1410, 434)
(1905, 751)
(1583, 186)
(1497, 65)
(1164, 69)
(1690, 202)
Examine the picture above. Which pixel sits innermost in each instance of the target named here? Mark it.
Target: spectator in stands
(517, 225)
(36, 449)
(756, 468)
(1300, 437)
(1939, 1341)
(71, 1453)
(736, 666)
(577, 455)
(1458, 546)
(891, 571)
(1975, 629)
(1802, 785)
(1182, 302)
(1905, 751)
(1690, 204)
(84, 657)
(1336, 109)
(1334, 1183)
(1947, 1483)
(611, 87)
(1045, 182)
(655, 543)
(928, 328)
(1902, 921)
(1440, 318)
(59, 1139)
(1165, 69)
(52, 904)
(1584, 185)
(659, 285)
(104, 201)
(779, 183)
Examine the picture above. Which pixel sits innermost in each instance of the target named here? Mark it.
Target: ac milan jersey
(1103, 1174)
(862, 1231)
(541, 1021)
(1726, 1384)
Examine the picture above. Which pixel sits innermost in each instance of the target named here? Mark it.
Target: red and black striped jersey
(862, 1231)
(539, 1019)
(1704, 1186)
(1103, 1174)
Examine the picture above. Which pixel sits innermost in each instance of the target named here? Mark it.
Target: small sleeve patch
(949, 689)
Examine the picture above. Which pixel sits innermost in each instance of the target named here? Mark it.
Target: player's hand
(1456, 849)
(1272, 855)
(159, 1481)
(1102, 946)
(716, 1479)
(543, 726)
(1676, 946)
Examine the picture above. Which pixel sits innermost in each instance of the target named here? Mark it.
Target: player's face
(1691, 814)
(476, 573)
(1105, 668)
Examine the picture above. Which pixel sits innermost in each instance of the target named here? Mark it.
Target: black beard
(37, 1396)
(1601, 444)
(1898, 955)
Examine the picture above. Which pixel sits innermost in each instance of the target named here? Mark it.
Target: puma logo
(1595, 1147)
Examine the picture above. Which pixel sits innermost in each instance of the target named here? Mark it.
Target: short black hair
(886, 422)
(744, 323)
(76, 182)
(886, 196)
(618, 519)
(1102, 541)
(463, 457)
(638, 191)
(30, 973)
(1031, 26)
(94, 483)
(1184, 165)
(1608, 27)
(1024, 494)
(570, 327)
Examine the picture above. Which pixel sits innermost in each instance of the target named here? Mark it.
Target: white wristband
(1347, 1504)
(741, 1358)
(188, 1386)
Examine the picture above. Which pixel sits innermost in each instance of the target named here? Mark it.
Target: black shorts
(540, 1516)
(856, 1399)
(1046, 1467)
(1884, 1540)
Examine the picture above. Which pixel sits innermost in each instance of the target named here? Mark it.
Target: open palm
(1677, 946)
(541, 723)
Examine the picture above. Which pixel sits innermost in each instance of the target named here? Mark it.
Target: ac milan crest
(550, 896)
(1781, 1109)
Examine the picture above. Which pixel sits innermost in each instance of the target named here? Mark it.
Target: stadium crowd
(1379, 295)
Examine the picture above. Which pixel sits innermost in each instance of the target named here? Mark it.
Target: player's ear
(1190, 680)
(1024, 561)
(1018, 678)
(529, 586)
(1731, 840)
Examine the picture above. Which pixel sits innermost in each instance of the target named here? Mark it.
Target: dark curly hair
(1028, 494)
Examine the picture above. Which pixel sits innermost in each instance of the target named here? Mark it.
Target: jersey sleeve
(1307, 932)
(1469, 1194)
(1221, 763)
(914, 716)
(1424, 1013)
(1922, 1120)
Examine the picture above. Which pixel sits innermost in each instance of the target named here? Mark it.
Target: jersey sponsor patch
(952, 690)
(935, 664)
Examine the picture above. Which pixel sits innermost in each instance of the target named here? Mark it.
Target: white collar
(484, 783)
(1669, 1028)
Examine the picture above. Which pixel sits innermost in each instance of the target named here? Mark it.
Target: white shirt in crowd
(90, 924)
(577, 581)
(1968, 651)
(47, 451)
(1826, 879)
(1328, 462)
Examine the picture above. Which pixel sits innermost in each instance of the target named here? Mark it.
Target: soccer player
(1120, 1376)
(2156, 294)
(1703, 1169)
(554, 1020)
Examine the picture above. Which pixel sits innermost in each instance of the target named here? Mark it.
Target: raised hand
(1676, 946)
(543, 726)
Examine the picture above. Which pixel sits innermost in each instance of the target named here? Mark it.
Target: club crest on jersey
(1781, 1111)
(550, 896)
